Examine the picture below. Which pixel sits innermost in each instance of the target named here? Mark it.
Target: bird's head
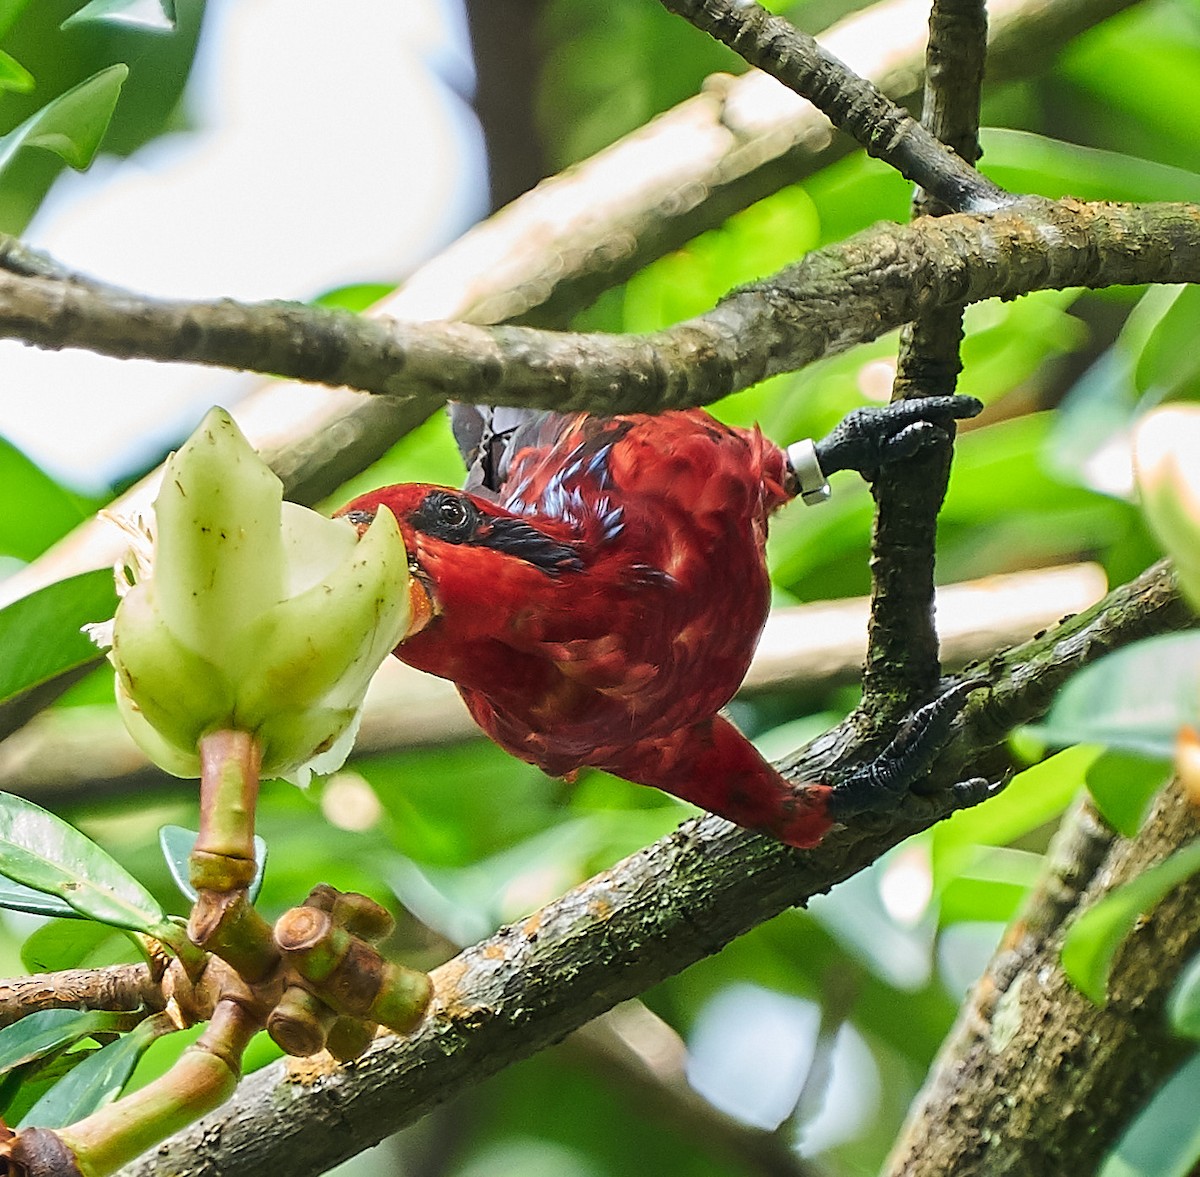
(467, 555)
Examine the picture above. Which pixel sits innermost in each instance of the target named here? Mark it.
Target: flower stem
(223, 857)
(223, 919)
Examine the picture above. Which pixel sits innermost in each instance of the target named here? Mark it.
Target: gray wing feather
(489, 436)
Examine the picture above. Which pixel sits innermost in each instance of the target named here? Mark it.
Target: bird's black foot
(882, 783)
(869, 438)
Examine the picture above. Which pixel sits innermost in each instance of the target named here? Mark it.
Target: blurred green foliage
(56, 59)
(464, 837)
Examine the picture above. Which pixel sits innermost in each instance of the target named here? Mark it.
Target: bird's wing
(490, 436)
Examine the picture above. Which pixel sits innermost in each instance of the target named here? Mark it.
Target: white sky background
(327, 150)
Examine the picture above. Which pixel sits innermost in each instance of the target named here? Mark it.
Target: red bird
(597, 592)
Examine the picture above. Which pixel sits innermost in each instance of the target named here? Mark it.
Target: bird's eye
(449, 516)
(452, 513)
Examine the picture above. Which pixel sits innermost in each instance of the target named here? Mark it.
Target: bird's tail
(711, 764)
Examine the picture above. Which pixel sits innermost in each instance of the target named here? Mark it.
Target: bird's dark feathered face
(468, 554)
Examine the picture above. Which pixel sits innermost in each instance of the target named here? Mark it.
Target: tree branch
(614, 936)
(115, 987)
(851, 103)
(834, 298)
(903, 662)
(1035, 1079)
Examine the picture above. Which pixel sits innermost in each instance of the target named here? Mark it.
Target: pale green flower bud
(1166, 456)
(242, 612)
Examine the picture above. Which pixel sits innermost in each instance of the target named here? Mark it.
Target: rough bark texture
(836, 297)
(852, 103)
(118, 987)
(1036, 1080)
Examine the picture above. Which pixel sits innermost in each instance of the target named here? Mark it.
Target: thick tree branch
(852, 103)
(954, 62)
(116, 987)
(648, 917)
(833, 299)
(1035, 1078)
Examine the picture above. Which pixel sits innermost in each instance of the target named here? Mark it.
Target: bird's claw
(881, 783)
(961, 795)
(910, 441)
(871, 437)
(965, 794)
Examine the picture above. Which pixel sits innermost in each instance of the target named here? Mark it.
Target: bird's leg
(881, 783)
(871, 437)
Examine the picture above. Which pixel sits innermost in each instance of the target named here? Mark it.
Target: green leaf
(23, 1086)
(1183, 1006)
(970, 900)
(9, 11)
(40, 634)
(72, 944)
(1141, 71)
(155, 16)
(355, 297)
(45, 1033)
(11, 1085)
(177, 843)
(1135, 699)
(72, 124)
(1123, 785)
(44, 852)
(13, 75)
(1025, 162)
(1092, 940)
(1098, 409)
(16, 896)
(47, 511)
(97, 1081)
(1089, 444)
(1164, 1138)
(1033, 798)
(1169, 363)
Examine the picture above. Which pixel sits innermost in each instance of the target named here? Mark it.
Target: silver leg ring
(802, 457)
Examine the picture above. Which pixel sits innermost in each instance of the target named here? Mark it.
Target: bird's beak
(420, 605)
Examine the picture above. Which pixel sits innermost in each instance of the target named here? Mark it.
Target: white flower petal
(313, 547)
(219, 552)
(323, 763)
